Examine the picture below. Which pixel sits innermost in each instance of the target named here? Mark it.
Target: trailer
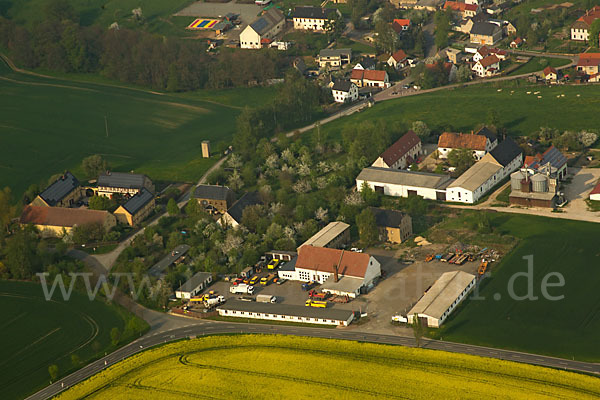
(313, 294)
(447, 257)
(215, 301)
(267, 279)
(242, 289)
(266, 298)
(315, 303)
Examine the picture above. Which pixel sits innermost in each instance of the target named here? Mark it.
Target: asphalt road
(211, 327)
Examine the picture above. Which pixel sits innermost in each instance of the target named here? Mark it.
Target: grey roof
(313, 12)
(195, 281)
(287, 309)
(389, 218)
(532, 195)
(477, 175)
(237, 209)
(137, 202)
(346, 284)
(213, 192)
(342, 85)
(442, 294)
(163, 264)
(406, 178)
(554, 157)
(368, 62)
(335, 52)
(485, 28)
(267, 21)
(122, 180)
(60, 189)
(327, 234)
(488, 134)
(289, 265)
(506, 151)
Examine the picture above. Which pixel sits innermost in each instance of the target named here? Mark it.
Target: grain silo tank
(515, 180)
(539, 183)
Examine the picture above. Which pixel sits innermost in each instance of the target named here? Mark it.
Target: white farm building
(442, 298)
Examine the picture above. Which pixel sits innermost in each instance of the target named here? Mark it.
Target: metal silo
(515, 180)
(539, 183)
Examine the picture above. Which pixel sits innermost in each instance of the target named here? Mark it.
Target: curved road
(211, 327)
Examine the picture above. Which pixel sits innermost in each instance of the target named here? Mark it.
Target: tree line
(59, 43)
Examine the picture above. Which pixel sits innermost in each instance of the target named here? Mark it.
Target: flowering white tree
(321, 182)
(323, 167)
(235, 180)
(303, 169)
(289, 232)
(337, 147)
(353, 198)
(321, 214)
(234, 161)
(302, 186)
(272, 161)
(586, 138)
(288, 156)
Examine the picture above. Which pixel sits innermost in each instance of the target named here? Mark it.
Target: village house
(516, 43)
(344, 91)
(60, 221)
(589, 64)
(400, 25)
(394, 226)
(485, 33)
(595, 193)
(364, 78)
(550, 74)
(488, 66)
(64, 192)
(454, 55)
(233, 216)
(580, 28)
(551, 162)
(334, 58)
(464, 9)
(486, 173)
(136, 209)
(122, 183)
(398, 59)
(341, 272)
(263, 30)
(485, 51)
(479, 143)
(400, 155)
(366, 63)
(214, 198)
(314, 18)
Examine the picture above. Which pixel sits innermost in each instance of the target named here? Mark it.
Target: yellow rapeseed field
(286, 367)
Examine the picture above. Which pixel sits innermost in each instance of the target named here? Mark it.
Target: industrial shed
(334, 235)
(442, 298)
(285, 312)
(194, 285)
(400, 183)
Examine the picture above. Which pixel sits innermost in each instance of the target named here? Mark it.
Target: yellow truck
(254, 280)
(267, 279)
(315, 303)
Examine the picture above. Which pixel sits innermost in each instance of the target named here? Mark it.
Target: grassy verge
(537, 64)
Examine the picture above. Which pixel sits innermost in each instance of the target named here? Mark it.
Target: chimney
(337, 267)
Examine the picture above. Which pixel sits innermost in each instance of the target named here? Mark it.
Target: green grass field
(36, 333)
(462, 109)
(537, 64)
(49, 125)
(278, 367)
(566, 328)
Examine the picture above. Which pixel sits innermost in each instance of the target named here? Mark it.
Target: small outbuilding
(194, 285)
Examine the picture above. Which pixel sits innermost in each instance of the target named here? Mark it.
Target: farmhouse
(194, 285)
(533, 189)
(136, 209)
(334, 235)
(366, 63)
(480, 143)
(263, 30)
(485, 51)
(398, 59)
(400, 183)
(214, 198)
(550, 74)
(394, 226)
(285, 312)
(233, 216)
(370, 78)
(485, 33)
(314, 18)
(340, 272)
(486, 173)
(344, 91)
(404, 152)
(334, 58)
(442, 298)
(400, 25)
(589, 63)
(176, 256)
(58, 221)
(488, 66)
(64, 192)
(595, 193)
(551, 162)
(466, 10)
(580, 28)
(515, 44)
(123, 183)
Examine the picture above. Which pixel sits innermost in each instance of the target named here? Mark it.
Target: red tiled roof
(400, 148)
(517, 41)
(471, 7)
(489, 60)
(596, 189)
(374, 75)
(590, 16)
(397, 24)
(59, 216)
(325, 259)
(549, 70)
(357, 74)
(400, 55)
(459, 6)
(588, 59)
(449, 140)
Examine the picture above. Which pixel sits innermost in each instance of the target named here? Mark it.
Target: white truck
(215, 301)
(266, 298)
(242, 288)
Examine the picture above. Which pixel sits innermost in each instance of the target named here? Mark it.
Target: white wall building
(479, 143)
(313, 18)
(264, 28)
(401, 183)
(404, 152)
(194, 285)
(442, 298)
(344, 91)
